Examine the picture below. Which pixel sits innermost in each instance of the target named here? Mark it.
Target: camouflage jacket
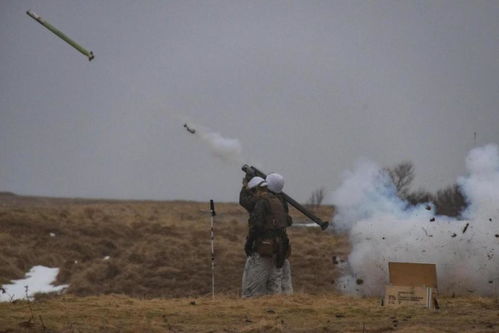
(262, 210)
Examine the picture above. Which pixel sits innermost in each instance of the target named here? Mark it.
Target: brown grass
(297, 313)
(158, 277)
(156, 249)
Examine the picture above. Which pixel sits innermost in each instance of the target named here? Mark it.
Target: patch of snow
(38, 280)
(52, 234)
(106, 258)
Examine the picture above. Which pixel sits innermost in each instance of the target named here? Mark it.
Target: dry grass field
(158, 275)
(155, 249)
(297, 313)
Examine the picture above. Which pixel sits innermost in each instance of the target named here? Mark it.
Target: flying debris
(88, 54)
(426, 233)
(189, 129)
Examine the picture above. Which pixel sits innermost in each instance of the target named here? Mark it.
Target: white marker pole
(212, 209)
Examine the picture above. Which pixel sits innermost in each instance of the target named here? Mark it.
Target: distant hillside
(155, 248)
(7, 194)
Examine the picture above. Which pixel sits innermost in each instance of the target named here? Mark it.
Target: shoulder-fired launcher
(251, 171)
(61, 35)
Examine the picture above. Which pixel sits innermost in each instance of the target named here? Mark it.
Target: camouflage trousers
(261, 277)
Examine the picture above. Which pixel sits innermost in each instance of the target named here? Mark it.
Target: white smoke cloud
(482, 184)
(227, 149)
(384, 228)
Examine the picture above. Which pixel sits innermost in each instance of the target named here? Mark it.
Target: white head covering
(256, 181)
(275, 182)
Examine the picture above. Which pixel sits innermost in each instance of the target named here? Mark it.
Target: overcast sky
(308, 87)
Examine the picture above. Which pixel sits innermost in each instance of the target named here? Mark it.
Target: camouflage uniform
(247, 199)
(265, 274)
(262, 277)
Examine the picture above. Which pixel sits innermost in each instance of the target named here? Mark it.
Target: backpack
(278, 217)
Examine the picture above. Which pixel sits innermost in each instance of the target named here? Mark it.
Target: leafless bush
(450, 201)
(419, 196)
(402, 176)
(316, 197)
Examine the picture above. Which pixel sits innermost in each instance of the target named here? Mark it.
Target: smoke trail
(227, 149)
(384, 228)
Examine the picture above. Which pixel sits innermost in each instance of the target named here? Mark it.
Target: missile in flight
(189, 129)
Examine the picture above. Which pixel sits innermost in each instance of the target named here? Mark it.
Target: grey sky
(308, 87)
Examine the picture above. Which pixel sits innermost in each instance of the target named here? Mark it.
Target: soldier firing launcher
(251, 171)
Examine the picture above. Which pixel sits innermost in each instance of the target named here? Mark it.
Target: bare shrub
(316, 197)
(419, 196)
(450, 201)
(402, 176)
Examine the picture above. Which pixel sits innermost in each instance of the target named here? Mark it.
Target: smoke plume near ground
(384, 228)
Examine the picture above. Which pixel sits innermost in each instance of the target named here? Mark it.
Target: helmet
(256, 181)
(275, 182)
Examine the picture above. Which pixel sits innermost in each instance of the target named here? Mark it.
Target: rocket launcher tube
(252, 171)
(88, 54)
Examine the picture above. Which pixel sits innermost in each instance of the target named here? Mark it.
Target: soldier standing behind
(267, 269)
